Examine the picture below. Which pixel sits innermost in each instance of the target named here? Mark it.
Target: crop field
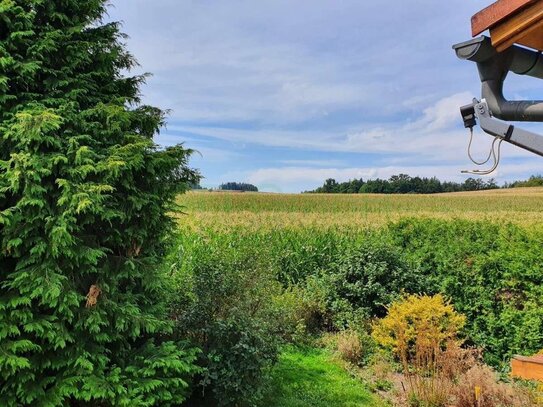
(298, 254)
(253, 211)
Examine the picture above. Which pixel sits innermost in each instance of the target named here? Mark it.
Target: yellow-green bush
(416, 321)
(422, 332)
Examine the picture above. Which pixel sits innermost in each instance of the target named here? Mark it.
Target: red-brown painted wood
(495, 13)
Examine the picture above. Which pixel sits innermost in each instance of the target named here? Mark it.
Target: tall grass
(254, 211)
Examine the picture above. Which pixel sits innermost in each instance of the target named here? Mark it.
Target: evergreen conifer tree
(84, 202)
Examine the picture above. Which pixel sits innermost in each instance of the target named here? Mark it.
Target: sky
(284, 94)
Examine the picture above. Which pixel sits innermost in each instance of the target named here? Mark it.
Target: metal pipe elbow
(501, 108)
(493, 68)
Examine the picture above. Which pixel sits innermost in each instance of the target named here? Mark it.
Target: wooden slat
(534, 359)
(525, 24)
(534, 38)
(495, 13)
(527, 368)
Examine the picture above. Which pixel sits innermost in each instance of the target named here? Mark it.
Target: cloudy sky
(286, 93)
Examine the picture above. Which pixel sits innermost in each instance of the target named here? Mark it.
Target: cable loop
(469, 150)
(495, 152)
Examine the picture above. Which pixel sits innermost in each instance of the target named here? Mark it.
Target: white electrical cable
(490, 154)
(493, 153)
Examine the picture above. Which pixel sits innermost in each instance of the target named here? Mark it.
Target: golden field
(256, 211)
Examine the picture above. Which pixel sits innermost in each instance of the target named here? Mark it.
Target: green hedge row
(240, 295)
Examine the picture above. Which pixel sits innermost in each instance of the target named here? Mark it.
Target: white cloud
(312, 75)
(313, 163)
(436, 136)
(287, 62)
(443, 114)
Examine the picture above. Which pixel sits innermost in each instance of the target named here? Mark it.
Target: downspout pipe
(493, 68)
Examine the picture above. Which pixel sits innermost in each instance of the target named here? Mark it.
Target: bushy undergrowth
(423, 334)
(229, 304)
(492, 273)
(240, 294)
(365, 279)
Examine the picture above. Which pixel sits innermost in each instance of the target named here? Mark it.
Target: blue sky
(284, 94)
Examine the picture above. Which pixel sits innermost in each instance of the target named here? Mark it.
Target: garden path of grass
(311, 378)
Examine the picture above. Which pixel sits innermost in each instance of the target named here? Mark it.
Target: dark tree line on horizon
(533, 181)
(238, 186)
(405, 184)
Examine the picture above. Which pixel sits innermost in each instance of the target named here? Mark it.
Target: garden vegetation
(110, 296)
(337, 280)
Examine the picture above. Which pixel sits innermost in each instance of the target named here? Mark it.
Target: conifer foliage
(84, 202)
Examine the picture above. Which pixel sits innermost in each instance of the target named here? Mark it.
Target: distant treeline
(238, 186)
(195, 186)
(533, 181)
(396, 184)
(404, 184)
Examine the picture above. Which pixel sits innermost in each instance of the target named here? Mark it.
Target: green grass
(311, 378)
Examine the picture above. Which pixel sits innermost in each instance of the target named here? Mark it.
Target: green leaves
(84, 195)
(492, 274)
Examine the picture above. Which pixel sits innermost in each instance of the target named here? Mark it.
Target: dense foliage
(423, 333)
(403, 184)
(415, 322)
(491, 272)
(238, 186)
(84, 197)
(225, 304)
(364, 280)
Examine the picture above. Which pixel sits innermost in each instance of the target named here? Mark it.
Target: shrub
(492, 272)
(349, 346)
(297, 313)
(422, 332)
(365, 280)
(417, 322)
(226, 305)
(84, 202)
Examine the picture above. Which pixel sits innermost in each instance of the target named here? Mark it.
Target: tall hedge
(84, 202)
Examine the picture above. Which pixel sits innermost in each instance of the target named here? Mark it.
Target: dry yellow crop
(256, 211)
